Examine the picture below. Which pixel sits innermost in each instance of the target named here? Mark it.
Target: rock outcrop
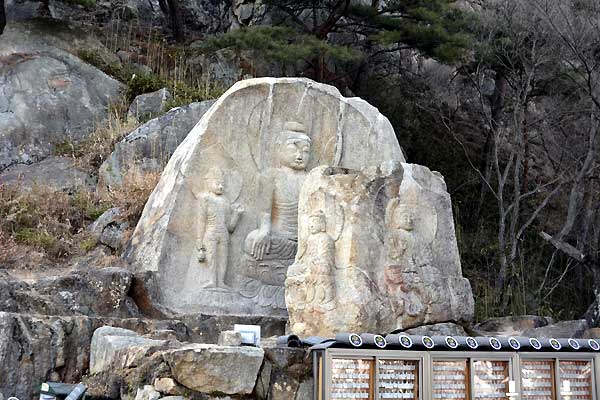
(190, 369)
(148, 147)
(35, 348)
(201, 243)
(48, 96)
(54, 173)
(71, 293)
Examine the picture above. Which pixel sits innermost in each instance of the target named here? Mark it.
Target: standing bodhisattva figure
(217, 219)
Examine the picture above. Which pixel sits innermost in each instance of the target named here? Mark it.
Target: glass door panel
(450, 380)
(399, 379)
(575, 379)
(490, 379)
(537, 380)
(351, 378)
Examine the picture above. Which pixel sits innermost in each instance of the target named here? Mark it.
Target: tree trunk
(2, 17)
(176, 19)
(485, 166)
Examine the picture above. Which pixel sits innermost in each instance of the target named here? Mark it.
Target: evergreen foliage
(281, 44)
(322, 33)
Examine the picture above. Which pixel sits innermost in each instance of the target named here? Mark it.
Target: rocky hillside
(95, 96)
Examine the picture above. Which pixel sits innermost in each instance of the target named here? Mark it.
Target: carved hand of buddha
(238, 209)
(262, 244)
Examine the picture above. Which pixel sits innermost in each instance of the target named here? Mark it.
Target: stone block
(230, 338)
(210, 368)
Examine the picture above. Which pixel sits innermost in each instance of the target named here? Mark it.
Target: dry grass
(151, 62)
(132, 194)
(46, 220)
(55, 223)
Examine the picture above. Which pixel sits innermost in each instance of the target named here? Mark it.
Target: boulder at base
(220, 229)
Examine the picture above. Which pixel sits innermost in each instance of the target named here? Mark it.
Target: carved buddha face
(403, 219)
(316, 223)
(296, 153)
(216, 182)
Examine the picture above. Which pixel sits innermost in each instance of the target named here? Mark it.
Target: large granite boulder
(376, 253)
(220, 228)
(112, 347)
(210, 368)
(149, 147)
(48, 96)
(54, 173)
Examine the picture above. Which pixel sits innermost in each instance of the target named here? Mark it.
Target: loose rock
(148, 105)
(230, 338)
(210, 368)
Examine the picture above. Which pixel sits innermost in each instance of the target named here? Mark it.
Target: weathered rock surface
(230, 338)
(147, 393)
(562, 329)
(110, 229)
(207, 16)
(148, 105)
(442, 329)
(511, 325)
(47, 95)
(250, 134)
(150, 146)
(71, 293)
(210, 368)
(114, 348)
(166, 386)
(54, 173)
(35, 348)
(343, 281)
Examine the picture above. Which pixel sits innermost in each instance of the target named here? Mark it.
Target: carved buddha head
(403, 218)
(317, 222)
(295, 147)
(216, 181)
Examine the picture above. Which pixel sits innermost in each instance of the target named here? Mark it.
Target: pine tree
(310, 31)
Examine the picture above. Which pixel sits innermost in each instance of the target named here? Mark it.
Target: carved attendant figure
(312, 276)
(402, 275)
(277, 236)
(320, 255)
(217, 218)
